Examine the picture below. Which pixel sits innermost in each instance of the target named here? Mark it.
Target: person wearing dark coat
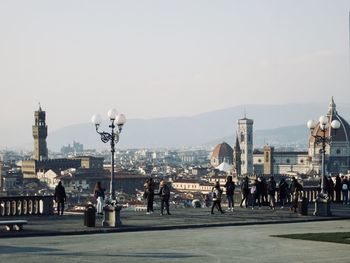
(330, 188)
(338, 188)
(295, 190)
(149, 193)
(60, 197)
(282, 189)
(263, 191)
(245, 191)
(271, 190)
(230, 189)
(164, 192)
(259, 191)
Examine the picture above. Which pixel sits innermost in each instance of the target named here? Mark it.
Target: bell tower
(237, 157)
(245, 138)
(40, 134)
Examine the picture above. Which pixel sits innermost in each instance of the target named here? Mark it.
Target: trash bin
(111, 215)
(303, 206)
(89, 216)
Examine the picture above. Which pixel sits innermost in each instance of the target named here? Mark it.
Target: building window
(338, 151)
(267, 157)
(301, 161)
(288, 161)
(259, 160)
(242, 137)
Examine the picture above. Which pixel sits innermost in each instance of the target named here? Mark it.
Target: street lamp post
(117, 121)
(322, 204)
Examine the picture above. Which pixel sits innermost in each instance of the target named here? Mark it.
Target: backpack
(217, 194)
(230, 188)
(166, 190)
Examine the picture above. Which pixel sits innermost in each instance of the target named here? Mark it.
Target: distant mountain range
(273, 124)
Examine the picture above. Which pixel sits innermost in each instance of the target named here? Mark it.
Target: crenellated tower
(40, 135)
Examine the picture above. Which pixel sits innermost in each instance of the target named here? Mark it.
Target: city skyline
(167, 58)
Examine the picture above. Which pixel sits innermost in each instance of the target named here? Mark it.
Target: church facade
(268, 161)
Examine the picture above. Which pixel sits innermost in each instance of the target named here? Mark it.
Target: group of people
(340, 187)
(264, 191)
(163, 192)
(260, 192)
(60, 198)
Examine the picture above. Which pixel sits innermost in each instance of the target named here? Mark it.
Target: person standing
(296, 189)
(330, 188)
(271, 189)
(217, 193)
(230, 190)
(260, 191)
(263, 190)
(164, 192)
(149, 191)
(99, 194)
(338, 188)
(282, 189)
(255, 193)
(60, 197)
(245, 191)
(345, 190)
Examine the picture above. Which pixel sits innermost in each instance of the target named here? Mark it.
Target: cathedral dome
(222, 150)
(338, 135)
(222, 153)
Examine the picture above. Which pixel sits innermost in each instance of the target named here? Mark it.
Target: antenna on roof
(245, 113)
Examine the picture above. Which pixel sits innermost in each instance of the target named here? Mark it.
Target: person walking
(60, 198)
(149, 192)
(282, 190)
(245, 191)
(217, 193)
(164, 192)
(255, 193)
(99, 194)
(230, 190)
(271, 190)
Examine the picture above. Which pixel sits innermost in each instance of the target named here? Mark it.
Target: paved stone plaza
(189, 235)
(224, 244)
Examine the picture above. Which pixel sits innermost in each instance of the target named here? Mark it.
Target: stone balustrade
(26, 205)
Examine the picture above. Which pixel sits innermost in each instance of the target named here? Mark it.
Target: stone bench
(16, 225)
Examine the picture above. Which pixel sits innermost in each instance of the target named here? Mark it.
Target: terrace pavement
(181, 218)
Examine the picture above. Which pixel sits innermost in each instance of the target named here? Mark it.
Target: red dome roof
(222, 150)
(338, 135)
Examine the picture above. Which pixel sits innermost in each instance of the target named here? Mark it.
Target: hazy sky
(167, 58)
